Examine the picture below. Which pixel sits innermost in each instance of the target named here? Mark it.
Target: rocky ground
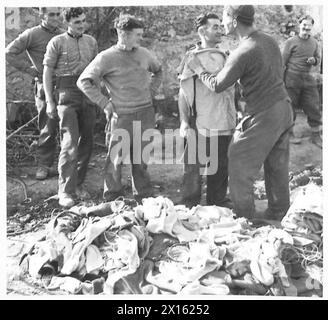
(28, 209)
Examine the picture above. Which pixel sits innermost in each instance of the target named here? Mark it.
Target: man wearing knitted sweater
(34, 41)
(300, 53)
(262, 137)
(131, 75)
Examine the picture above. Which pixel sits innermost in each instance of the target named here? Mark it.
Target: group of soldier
(70, 78)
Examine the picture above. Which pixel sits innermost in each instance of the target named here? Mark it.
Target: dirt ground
(26, 219)
(166, 178)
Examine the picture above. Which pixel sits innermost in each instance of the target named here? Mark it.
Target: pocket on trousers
(64, 97)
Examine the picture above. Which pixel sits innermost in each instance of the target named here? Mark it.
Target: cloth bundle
(88, 246)
(305, 216)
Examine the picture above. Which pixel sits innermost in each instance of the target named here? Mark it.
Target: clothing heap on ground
(159, 248)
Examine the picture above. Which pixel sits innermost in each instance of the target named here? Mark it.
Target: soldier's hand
(109, 111)
(184, 129)
(194, 63)
(311, 60)
(51, 110)
(159, 121)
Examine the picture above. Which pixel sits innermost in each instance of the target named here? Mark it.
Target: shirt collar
(304, 38)
(75, 37)
(199, 46)
(123, 47)
(43, 26)
(249, 35)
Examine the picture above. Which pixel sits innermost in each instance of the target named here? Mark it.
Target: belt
(39, 79)
(66, 82)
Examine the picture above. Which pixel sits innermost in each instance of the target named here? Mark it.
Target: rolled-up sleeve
(51, 56)
(20, 44)
(286, 53)
(16, 47)
(90, 79)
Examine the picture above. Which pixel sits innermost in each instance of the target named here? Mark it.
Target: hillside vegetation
(169, 30)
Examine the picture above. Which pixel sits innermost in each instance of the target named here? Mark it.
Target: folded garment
(305, 216)
(197, 288)
(266, 264)
(69, 284)
(213, 213)
(308, 199)
(214, 277)
(164, 282)
(82, 238)
(136, 282)
(102, 209)
(179, 274)
(94, 260)
(95, 286)
(183, 234)
(122, 260)
(247, 282)
(43, 252)
(159, 246)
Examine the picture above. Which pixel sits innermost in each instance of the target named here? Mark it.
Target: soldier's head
(129, 30)
(237, 17)
(75, 20)
(306, 23)
(208, 26)
(50, 16)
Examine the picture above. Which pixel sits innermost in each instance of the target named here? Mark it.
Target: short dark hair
(128, 22)
(42, 10)
(305, 17)
(243, 14)
(202, 19)
(72, 12)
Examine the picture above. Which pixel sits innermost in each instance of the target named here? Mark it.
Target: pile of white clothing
(209, 250)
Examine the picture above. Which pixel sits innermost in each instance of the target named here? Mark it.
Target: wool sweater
(34, 41)
(127, 76)
(257, 64)
(296, 52)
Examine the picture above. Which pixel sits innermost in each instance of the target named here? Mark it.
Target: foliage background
(169, 31)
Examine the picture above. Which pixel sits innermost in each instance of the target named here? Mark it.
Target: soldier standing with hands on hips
(34, 41)
(131, 75)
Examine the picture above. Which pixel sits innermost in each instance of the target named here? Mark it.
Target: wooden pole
(22, 127)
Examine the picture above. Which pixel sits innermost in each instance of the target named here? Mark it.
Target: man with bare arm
(66, 57)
